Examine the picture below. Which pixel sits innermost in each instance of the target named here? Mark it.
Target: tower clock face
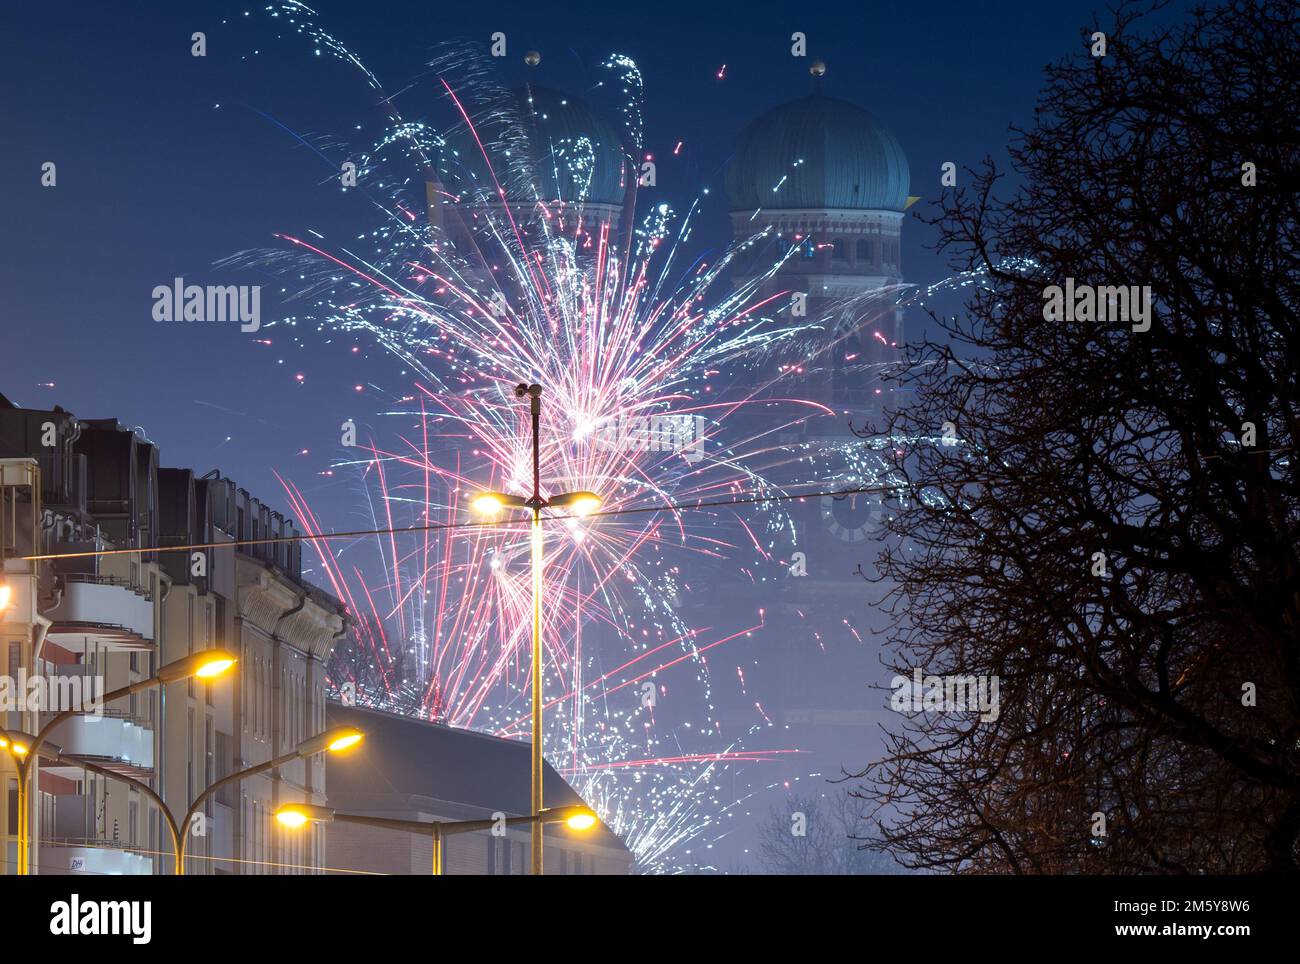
(852, 517)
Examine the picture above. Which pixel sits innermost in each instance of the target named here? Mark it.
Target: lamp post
(205, 665)
(295, 815)
(139, 785)
(581, 503)
(334, 741)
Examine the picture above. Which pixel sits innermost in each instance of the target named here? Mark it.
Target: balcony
(63, 481)
(60, 859)
(114, 741)
(72, 846)
(102, 609)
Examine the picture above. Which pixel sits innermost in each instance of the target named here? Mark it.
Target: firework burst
(496, 260)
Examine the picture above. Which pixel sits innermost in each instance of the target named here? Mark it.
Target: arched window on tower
(863, 255)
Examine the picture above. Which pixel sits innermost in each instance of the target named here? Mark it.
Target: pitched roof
(414, 765)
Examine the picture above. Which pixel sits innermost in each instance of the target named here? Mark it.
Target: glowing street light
(206, 665)
(581, 821)
(580, 503)
(339, 739)
(295, 816)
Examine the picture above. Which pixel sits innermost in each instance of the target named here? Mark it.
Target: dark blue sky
(156, 180)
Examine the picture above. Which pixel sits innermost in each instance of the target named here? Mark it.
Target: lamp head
(20, 745)
(579, 503)
(297, 815)
(334, 740)
(575, 818)
(206, 664)
(490, 503)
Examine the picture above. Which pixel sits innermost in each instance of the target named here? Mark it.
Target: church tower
(830, 185)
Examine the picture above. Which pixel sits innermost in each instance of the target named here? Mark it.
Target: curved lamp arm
(223, 782)
(143, 788)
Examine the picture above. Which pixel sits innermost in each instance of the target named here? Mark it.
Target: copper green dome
(817, 153)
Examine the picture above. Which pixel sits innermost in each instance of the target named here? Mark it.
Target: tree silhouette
(816, 835)
(1114, 536)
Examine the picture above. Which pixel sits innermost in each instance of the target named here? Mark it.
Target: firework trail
(493, 263)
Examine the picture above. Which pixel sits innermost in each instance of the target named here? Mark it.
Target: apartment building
(125, 608)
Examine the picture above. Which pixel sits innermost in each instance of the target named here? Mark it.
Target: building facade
(91, 487)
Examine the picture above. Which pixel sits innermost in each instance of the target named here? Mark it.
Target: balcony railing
(106, 608)
(110, 740)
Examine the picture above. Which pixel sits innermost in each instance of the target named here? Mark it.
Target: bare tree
(815, 835)
(1115, 534)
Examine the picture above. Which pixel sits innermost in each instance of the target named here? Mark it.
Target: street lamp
(206, 665)
(336, 740)
(139, 785)
(580, 503)
(294, 816)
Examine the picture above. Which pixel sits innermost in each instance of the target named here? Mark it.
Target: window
(209, 762)
(13, 805)
(189, 643)
(256, 697)
(863, 254)
(222, 764)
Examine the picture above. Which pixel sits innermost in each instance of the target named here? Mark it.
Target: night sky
(168, 163)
